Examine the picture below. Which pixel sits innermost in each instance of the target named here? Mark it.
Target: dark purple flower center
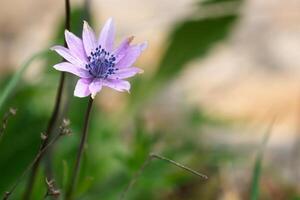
(101, 63)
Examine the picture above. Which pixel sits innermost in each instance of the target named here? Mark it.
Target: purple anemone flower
(96, 62)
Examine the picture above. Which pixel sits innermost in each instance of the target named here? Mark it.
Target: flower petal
(120, 52)
(82, 88)
(119, 85)
(107, 35)
(75, 45)
(126, 73)
(66, 54)
(95, 87)
(89, 39)
(68, 67)
(131, 55)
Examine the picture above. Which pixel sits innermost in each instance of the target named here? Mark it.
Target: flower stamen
(101, 63)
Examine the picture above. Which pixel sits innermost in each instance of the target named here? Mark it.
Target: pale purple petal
(75, 45)
(126, 73)
(107, 35)
(89, 39)
(66, 54)
(120, 52)
(119, 85)
(68, 67)
(95, 87)
(82, 88)
(131, 55)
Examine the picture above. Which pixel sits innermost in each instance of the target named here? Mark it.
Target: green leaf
(190, 40)
(85, 185)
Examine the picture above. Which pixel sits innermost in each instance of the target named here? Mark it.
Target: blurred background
(219, 76)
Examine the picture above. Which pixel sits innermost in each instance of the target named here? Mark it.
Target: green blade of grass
(9, 88)
(255, 185)
(254, 194)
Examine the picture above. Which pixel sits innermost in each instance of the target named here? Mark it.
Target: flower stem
(73, 182)
(53, 118)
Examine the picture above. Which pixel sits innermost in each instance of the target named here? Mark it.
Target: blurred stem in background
(53, 118)
(147, 162)
(74, 176)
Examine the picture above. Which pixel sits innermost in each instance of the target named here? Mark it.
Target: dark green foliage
(21, 140)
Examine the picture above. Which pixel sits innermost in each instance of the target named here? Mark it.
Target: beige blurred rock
(26, 28)
(254, 75)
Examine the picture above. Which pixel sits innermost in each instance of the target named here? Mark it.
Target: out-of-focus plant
(11, 86)
(257, 170)
(117, 148)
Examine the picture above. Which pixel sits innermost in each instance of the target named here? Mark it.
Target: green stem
(74, 177)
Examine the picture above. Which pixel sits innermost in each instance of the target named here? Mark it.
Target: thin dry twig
(11, 112)
(52, 191)
(147, 162)
(37, 157)
(64, 130)
(178, 165)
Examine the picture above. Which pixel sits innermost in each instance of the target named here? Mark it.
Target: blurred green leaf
(209, 2)
(65, 174)
(256, 179)
(85, 185)
(255, 185)
(22, 137)
(140, 147)
(190, 40)
(12, 84)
